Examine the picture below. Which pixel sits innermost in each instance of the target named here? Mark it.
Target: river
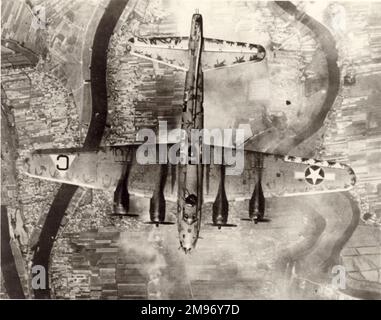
(328, 44)
(93, 139)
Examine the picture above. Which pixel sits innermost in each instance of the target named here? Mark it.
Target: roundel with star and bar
(314, 175)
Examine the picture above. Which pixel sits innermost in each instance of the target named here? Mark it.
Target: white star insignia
(314, 175)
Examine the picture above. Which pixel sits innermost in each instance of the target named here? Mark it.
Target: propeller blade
(226, 225)
(256, 220)
(161, 223)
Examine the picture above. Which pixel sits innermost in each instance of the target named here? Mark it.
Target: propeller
(224, 225)
(186, 251)
(157, 223)
(256, 220)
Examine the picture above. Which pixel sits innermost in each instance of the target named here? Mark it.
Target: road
(93, 139)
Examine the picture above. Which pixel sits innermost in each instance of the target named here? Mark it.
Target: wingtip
(352, 174)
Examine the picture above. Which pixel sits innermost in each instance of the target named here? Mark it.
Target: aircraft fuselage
(190, 175)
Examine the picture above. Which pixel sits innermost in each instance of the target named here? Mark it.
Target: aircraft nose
(186, 247)
(197, 17)
(187, 250)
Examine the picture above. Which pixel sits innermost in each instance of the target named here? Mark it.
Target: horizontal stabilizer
(173, 52)
(170, 51)
(222, 53)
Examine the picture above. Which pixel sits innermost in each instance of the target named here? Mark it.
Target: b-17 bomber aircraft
(189, 184)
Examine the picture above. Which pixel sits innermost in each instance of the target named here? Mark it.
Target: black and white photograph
(191, 150)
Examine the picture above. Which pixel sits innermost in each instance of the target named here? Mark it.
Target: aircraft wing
(173, 52)
(281, 176)
(100, 168)
(92, 168)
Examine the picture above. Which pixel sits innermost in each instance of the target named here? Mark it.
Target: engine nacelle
(257, 203)
(157, 207)
(121, 198)
(220, 207)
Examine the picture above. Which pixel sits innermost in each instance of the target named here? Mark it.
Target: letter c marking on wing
(62, 164)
